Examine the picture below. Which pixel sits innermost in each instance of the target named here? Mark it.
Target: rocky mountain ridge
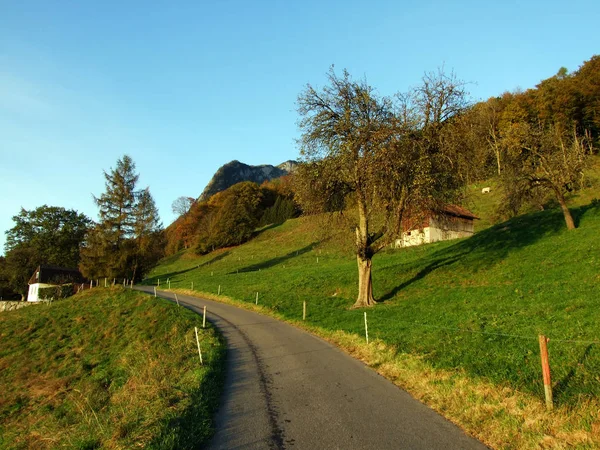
(235, 172)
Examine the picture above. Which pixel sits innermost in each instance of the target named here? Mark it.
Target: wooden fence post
(304, 310)
(256, 298)
(198, 342)
(546, 371)
(219, 291)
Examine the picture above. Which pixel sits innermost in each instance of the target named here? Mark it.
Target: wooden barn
(451, 222)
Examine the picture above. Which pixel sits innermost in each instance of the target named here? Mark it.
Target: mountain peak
(235, 172)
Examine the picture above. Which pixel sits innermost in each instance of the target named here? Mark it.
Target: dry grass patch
(108, 368)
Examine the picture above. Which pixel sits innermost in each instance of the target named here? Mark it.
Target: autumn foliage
(231, 217)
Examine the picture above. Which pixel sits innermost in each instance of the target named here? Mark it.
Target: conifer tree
(118, 247)
(117, 204)
(146, 229)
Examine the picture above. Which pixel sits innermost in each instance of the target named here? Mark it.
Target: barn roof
(56, 275)
(458, 211)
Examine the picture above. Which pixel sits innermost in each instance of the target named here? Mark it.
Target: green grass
(476, 304)
(485, 206)
(108, 368)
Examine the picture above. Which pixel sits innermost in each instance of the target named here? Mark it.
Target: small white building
(452, 222)
(48, 276)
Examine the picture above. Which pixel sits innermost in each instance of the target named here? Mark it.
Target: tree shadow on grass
(578, 213)
(278, 260)
(562, 386)
(421, 274)
(492, 245)
(213, 260)
(265, 228)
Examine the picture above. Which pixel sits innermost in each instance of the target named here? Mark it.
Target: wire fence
(521, 364)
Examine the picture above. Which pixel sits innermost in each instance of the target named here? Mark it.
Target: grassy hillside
(108, 368)
(513, 280)
(472, 307)
(485, 206)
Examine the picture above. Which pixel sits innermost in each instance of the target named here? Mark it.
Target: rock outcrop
(236, 172)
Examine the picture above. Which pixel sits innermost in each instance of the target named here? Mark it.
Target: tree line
(229, 217)
(536, 142)
(125, 242)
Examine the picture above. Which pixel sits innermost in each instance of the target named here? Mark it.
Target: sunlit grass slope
(108, 368)
(476, 304)
(485, 206)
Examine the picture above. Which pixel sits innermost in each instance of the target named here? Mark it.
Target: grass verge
(107, 368)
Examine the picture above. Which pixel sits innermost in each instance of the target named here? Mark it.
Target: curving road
(287, 389)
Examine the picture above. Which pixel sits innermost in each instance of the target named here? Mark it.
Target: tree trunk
(365, 284)
(563, 205)
(363, 257)
(134, 271)
(498, 159)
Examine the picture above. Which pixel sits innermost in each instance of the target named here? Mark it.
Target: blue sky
(186, 86)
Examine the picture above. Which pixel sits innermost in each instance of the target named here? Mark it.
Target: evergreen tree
(147, 232)
(118, 203)
(119, 246)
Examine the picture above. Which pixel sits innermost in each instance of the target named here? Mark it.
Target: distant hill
(235, 172)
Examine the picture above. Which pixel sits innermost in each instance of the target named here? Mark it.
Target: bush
(56, 292)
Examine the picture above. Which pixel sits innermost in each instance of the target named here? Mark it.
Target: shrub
(56, 292)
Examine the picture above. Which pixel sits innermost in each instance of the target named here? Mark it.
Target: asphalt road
(287, 389)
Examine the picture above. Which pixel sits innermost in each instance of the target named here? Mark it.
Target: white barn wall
(438, 230)
(34, 289)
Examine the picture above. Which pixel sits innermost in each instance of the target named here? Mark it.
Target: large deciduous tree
(544, 159)
(386, 161)
(128, 227)
(181, 205)
(546, 144)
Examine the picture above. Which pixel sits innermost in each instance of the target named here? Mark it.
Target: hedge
(55, 292)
